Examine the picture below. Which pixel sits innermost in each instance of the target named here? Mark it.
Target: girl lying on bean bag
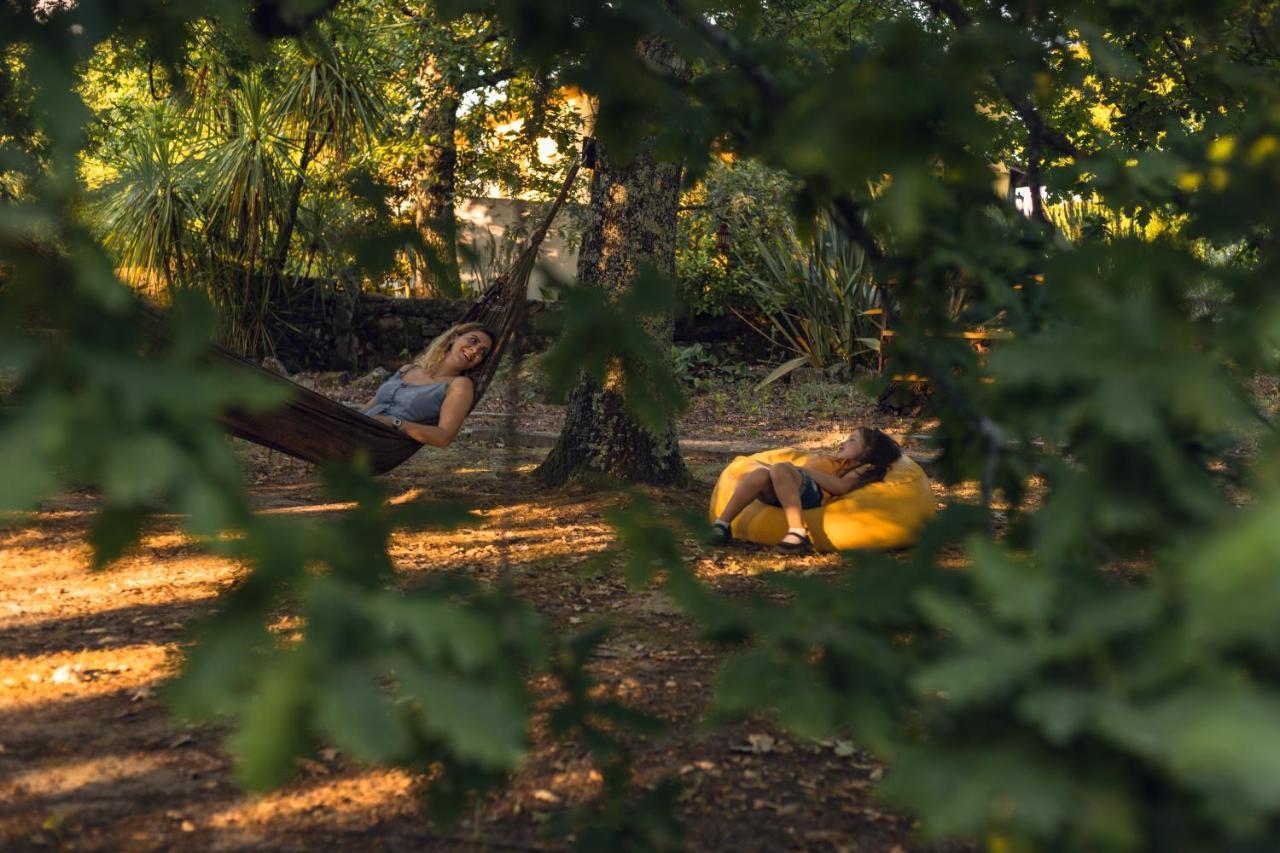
(869, 494)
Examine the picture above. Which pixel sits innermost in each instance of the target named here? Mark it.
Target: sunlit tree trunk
(633, 222)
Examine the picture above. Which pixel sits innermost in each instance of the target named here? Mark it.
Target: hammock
(314, 428)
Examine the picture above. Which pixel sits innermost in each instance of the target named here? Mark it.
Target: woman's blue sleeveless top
(418, 403)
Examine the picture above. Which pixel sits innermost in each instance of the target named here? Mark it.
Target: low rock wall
(382, 331)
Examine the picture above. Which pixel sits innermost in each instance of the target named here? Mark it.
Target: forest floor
(90, 758)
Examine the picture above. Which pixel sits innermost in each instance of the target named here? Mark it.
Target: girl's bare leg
(753, 485)
(786, 485)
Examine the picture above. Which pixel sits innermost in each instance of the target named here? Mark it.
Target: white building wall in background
(494, 229)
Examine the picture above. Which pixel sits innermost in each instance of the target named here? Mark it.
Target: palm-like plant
(244, 186)
(332, 102)
(227, 214)
(819, 297)
(145, 211)
(241, 173)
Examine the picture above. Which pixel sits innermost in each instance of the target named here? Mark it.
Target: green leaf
(115, 529)
(228, 656)
(273, 727)
(1232, 584)
(479, 722)
(139, 468)
(1222, 739)
(760, 680)
(207, 508)
(985, 671)
(28, 474)
(359, 717)
(1021, 593)
(1060, 712)
(783, 369)
(442, 633)
(968, 789)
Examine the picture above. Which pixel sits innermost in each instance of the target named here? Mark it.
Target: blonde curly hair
(439, 348)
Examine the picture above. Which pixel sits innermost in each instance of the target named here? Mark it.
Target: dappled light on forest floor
(34, 685)
(90, 756)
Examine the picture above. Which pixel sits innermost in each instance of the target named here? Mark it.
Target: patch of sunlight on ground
(308, 509)
(184, 579)
(362, 793)
(28, 682)
(464, 471)
(60, 777)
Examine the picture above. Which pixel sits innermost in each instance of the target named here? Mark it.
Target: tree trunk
(634, 221)
(434, 190)
(275, 266)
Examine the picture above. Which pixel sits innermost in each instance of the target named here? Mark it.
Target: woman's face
(853, 447)
(469, 349)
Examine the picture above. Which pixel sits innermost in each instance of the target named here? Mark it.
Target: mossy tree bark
(633, 222)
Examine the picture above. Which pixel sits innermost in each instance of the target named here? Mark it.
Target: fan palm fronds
(332, 96)
(242, 175)
(145, 211)
(332, 102)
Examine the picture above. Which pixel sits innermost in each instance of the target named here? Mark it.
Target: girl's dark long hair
(879, 453)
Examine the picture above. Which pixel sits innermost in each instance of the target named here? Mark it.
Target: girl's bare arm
(832, 484)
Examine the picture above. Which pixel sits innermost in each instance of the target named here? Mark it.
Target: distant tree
(464, 82)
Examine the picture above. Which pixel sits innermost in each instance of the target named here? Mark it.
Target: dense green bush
(722, 219)
(1104, 675)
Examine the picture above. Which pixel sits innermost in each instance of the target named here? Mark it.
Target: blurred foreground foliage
(1104, 676)
(315, 644)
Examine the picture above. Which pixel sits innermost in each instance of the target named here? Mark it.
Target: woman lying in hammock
(429, 399)
(864, 458)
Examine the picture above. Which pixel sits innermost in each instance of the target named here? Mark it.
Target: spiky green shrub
(817, 293)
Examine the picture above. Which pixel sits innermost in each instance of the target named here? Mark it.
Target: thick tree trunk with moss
(434, 191)
(634, 222)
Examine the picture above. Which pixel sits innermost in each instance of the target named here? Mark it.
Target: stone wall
(332, 334)
(328, 334)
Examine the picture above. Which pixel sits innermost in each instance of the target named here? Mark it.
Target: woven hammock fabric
(314, 428)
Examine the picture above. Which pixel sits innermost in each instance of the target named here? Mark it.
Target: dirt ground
(89, 758)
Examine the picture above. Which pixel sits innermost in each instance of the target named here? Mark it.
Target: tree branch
(1181, 59)
(729, 48)
(491, 78)
(1034, 153)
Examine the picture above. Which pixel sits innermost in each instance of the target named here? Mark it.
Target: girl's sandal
(719, 535)
(794, 543)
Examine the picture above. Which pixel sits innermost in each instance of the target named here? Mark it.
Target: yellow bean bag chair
(888, 514)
